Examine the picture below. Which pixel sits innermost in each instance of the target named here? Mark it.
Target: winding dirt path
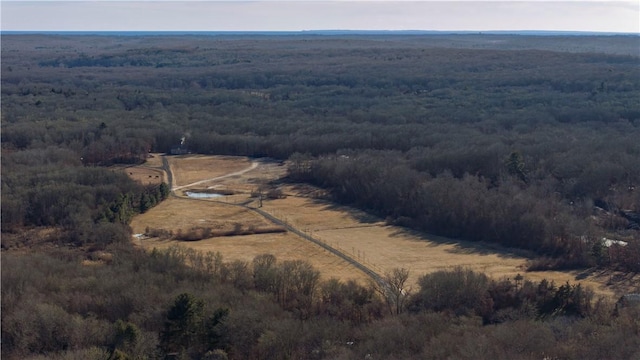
(251, 167)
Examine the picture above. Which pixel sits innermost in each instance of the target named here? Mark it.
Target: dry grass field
(150, 173)
(154, 160)
(188, 169)
(362, 236)
(382, 247)
(177, 213)
(144, 175)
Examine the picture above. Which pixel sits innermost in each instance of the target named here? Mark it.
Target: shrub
(460, 291)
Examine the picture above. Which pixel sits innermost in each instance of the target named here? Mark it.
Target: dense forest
(526, 141)
(147, 306)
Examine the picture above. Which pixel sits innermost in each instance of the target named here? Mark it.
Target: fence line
(350, 259)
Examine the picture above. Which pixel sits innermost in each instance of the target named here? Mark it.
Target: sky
(297, 15)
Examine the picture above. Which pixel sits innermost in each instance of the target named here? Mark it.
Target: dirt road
(253, 166)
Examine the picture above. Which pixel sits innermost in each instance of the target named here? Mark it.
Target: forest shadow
(357, 214)
(464, 247)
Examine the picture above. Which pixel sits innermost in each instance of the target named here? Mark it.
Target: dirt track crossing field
(362, 237)
(198, 168)
(382, 247)
(177, 213)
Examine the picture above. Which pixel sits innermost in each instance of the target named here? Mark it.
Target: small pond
(200, 195)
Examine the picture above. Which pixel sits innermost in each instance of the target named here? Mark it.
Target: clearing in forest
(182, 215)
(187, 169)
(365, 238)
(144, 175)
(383, 247)
(150, 173)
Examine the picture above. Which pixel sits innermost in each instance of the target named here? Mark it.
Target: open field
(144, 175)
(364, 237)
(176, 214)
(154, 160)
(383, 247)
(192, 168)
(182, 214)
(150, 173)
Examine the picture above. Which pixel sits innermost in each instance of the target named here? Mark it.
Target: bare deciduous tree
(394, 291)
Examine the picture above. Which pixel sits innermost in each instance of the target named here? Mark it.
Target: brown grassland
(383, 247)
(365, 238)
(182, 214)
(150, 173)
(192, 168)
(154, 160)
(144, 175)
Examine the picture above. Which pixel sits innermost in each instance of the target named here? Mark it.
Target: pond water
(202, 195)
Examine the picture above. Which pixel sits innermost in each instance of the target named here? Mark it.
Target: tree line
(511, 208)
(87, 205)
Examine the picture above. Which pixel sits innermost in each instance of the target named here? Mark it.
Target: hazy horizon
(305, 15)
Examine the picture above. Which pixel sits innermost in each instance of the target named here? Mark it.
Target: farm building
(179, 150)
